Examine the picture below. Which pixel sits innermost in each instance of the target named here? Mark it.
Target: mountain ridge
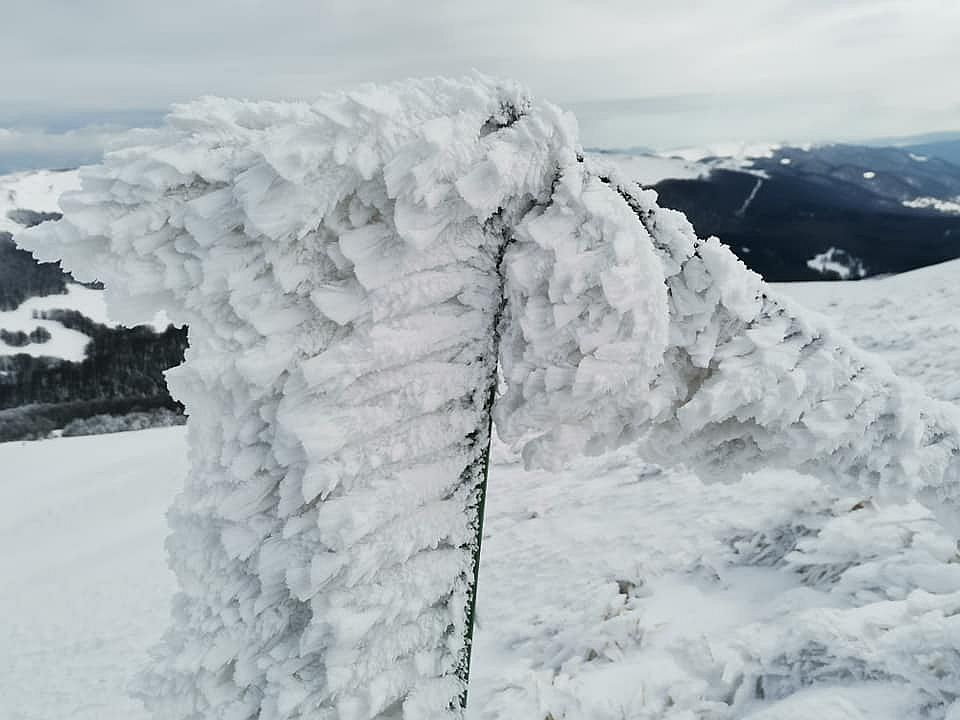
(787, 211)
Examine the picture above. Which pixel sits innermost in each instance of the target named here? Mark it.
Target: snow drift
(351, 270)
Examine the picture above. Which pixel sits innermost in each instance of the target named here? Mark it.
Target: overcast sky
(660, 73)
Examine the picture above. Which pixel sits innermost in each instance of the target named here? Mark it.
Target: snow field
(909, 320)
(35, 190)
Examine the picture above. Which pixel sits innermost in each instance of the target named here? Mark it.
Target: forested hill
(832, 212)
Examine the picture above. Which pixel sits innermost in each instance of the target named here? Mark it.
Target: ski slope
(608, 591)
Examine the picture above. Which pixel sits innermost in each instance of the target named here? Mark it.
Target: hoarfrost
(351, 270)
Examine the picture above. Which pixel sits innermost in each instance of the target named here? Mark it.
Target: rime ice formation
(350, 271)
(338, 265)
(737, 379)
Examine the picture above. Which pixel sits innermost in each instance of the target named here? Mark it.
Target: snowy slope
(737, 151)
(22, 195)
(607, 591)
(648, 169)
(85, 587)
(909, 319)
(64, 342)
(37, 191)
(782, 208)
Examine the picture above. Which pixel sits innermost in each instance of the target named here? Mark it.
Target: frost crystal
(351, 270)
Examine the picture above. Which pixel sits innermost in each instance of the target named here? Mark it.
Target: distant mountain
(944, 149)
(942, 145)
(62, 361)
(27, 199)
(813, 213)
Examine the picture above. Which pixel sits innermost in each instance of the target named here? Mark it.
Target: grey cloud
(37, 148)
(675, 71)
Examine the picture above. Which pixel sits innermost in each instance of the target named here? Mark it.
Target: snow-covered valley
(608, 591)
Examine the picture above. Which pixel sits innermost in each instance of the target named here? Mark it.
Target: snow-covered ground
(39, 191)
(85, 588)
(649, 169)
(686, 164)
(63, 343)
(36, 190)
(949, 207)
(909, 319)
(839, 263)
(736, 150)
(610, 591)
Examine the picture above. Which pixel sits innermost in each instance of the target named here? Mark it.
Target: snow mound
(350, 271)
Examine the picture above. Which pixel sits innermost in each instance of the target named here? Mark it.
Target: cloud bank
(638, 72)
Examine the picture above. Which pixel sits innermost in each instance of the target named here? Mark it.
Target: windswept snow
(812, 587)
(64, 343)
(39, 191)
(738, 157)
(339, 265)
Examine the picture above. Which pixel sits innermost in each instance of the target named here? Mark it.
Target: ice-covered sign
(355, 272)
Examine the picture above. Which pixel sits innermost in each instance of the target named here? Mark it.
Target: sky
(637, 73)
